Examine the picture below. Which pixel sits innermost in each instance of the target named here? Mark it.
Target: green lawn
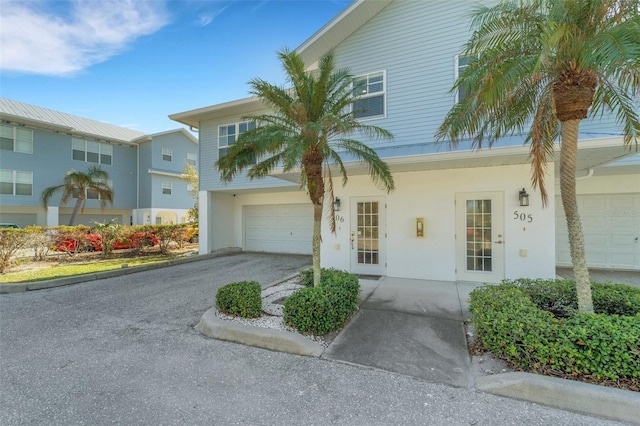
(71, 269)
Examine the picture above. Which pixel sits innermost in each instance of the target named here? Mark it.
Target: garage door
(285, 228)
(611, 225)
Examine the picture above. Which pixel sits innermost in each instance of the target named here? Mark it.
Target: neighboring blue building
(473, 227)
(38, 146)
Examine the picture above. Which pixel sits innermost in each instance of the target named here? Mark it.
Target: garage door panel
(611, 226)
(285, 228)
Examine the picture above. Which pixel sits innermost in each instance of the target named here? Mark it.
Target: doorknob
(497, 242)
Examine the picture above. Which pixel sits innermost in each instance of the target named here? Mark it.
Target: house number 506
(522, 217)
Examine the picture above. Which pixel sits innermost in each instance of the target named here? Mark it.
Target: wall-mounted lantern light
(523, 197)
(336, 204)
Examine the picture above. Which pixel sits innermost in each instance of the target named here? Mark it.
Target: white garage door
(611, 225)
(285, 228)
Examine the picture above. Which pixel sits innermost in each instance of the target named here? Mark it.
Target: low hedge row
(241, 299)
(560, 297)
(509, 324)
(325, 308)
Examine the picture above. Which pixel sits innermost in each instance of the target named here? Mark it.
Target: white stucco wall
(431, 195)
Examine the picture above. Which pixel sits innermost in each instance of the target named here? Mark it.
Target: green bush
(320, 310)
(560, 297)
(509, 324)
(241, 299)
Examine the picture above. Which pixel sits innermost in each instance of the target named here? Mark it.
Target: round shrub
(241, 299)
(320, 310)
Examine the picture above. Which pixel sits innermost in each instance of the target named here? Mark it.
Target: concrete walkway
(411, 327)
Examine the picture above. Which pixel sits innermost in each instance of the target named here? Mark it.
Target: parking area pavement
(123, 350)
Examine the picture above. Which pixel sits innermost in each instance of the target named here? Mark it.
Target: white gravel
(272, 312)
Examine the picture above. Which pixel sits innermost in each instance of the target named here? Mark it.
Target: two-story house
(457, 213)
(38, 146)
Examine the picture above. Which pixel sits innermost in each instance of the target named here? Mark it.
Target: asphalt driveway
(123, 351)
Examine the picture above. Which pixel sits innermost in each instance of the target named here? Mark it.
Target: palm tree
(76, 184)
(311, 125)
(541, 66)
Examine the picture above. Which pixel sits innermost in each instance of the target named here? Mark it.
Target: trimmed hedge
(509, 324)
(560, 297)
(325, 308)
(241, 299)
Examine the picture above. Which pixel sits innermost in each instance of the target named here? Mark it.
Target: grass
(80, 268)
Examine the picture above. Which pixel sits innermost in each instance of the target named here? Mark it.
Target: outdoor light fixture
(336, 204)
(523, 197)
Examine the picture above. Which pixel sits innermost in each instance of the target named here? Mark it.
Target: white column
(53, 216)
(203, 222)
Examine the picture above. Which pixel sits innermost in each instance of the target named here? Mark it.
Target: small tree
(76, 184)
(190, 174)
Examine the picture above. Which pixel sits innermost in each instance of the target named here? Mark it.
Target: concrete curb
(599, 401)
(58, 282)
(276, 340)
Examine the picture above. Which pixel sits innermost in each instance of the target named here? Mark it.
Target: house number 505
(522, 217)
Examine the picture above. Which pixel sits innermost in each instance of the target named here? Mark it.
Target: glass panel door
(368, 236)
(479, 237)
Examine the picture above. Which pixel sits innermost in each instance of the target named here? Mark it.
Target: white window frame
(167, 185)
(237, 129)
(192, 159)
(167, 154)
(456, 73)
(16, 176)
(366, 95)
(22, 139)
(100, 149)
(190, 191)
(86, 192)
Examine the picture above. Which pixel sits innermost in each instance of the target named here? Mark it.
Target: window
(166, 187)
(462, 62)
(167, 154)
(16, 139)
(370, 89)
(192, 159)
(91, 194)
(14, 182)
(91, 151)
(227, 135)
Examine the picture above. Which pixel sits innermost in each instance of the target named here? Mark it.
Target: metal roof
(11, 110)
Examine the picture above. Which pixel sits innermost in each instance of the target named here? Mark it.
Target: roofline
(179, 130)
(193, 117)
(45, 125)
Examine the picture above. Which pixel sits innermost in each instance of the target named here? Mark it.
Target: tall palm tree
(311, 125)
(76, 184)
(541, 66)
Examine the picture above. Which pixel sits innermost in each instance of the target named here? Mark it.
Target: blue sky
(133, 62)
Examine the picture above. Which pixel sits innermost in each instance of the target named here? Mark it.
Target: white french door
(480, 237)
(368, 236)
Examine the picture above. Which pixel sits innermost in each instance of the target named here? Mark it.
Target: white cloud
(206, 18)
(33, 39)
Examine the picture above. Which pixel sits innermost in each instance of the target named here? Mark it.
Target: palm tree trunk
(315, 243)
(76, 209)
(568, 155)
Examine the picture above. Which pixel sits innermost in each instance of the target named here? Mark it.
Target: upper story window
(462, 62)
(191, 191)
(371, 89)
(167, 154)
(166, 187)
(228, 134)
(91, 194)
(16, 139)
(15, 182)
(192, 159)
(92, 151)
